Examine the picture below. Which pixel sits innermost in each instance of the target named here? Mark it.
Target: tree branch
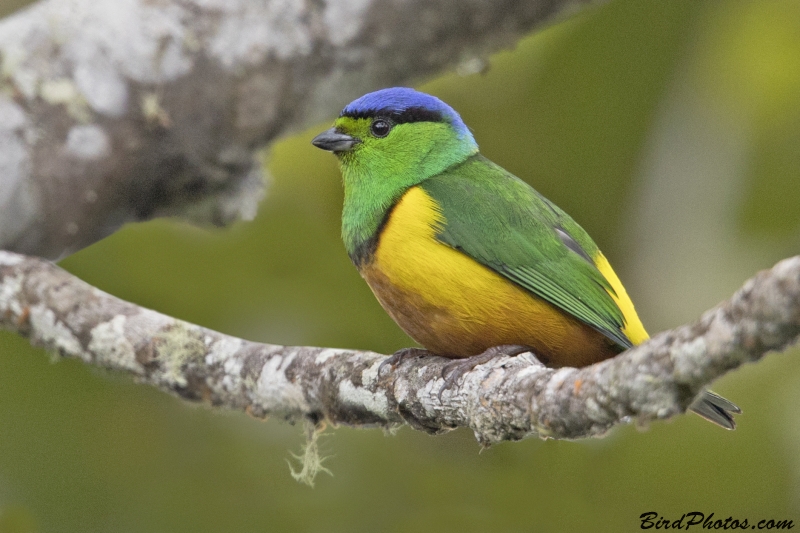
(509, 398)
(114, 111)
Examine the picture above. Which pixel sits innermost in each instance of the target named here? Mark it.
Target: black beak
(333, 141)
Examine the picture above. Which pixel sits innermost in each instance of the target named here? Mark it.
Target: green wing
(503, 223)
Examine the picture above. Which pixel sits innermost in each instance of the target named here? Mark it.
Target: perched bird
(467, 258)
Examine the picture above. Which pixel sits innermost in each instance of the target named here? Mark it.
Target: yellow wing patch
(633, 329)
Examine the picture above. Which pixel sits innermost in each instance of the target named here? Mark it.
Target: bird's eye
(380, 127)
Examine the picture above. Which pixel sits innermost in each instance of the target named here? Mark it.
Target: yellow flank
(633, 329)
(456, 307)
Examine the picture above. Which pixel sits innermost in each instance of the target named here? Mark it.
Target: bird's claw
(454, 370)
(401, 355)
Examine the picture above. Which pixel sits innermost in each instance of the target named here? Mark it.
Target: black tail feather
(716, 409)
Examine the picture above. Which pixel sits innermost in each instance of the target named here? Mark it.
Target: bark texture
(508, 398)
(121, 110)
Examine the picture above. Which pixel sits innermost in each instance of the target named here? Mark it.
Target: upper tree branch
(112, 111)
(508, 398)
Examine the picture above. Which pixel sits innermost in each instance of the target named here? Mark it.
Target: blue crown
(403, 104)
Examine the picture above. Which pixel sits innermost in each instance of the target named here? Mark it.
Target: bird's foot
(452, 371)
(401, 355)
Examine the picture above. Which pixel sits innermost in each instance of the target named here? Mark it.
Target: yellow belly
(456, 307)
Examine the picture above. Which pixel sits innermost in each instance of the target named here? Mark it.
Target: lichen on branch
(116, 111)
(508, 398)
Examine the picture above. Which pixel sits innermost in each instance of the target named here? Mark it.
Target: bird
(468, 259)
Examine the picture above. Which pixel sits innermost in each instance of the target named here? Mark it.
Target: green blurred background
(669, 130)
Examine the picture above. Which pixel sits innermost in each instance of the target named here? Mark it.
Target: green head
(388, 141)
